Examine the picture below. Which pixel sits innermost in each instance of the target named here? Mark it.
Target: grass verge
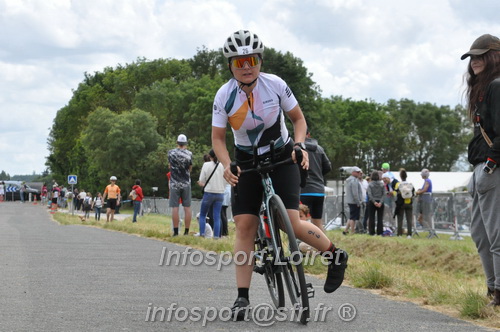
(440, 274)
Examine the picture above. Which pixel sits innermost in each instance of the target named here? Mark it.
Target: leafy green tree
(4, 176)
(434, 136)
(119, 143)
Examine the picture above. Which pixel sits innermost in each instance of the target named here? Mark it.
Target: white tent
(441, 181)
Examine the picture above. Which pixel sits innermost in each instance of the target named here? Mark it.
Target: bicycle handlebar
(265, 166)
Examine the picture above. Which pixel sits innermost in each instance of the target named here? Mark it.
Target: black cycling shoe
(240, 309)
(336, 271)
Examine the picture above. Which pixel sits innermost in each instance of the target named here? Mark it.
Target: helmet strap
(247, 84)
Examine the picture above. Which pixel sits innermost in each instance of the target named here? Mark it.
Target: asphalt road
(78, 278)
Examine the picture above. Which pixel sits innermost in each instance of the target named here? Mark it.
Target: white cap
(113, 178)
(182, 139)
(355, 169)
(386, 176)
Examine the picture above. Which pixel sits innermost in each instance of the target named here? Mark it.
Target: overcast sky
(359, 49)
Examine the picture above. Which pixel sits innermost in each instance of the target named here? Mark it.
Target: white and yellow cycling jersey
(258, 118)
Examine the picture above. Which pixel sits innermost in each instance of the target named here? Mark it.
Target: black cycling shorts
(247, 194)
(112, 203)
(315, 205)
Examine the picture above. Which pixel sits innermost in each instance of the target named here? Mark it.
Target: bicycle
(277, 255)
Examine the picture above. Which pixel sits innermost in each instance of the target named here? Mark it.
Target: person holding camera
(483, 105)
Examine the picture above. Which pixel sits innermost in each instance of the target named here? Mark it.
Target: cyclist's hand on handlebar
(305, 159)
(230, 177)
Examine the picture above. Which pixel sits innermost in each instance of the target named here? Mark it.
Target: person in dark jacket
(483, 105)
(313, 194)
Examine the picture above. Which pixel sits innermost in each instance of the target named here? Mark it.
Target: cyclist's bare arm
(220, 149)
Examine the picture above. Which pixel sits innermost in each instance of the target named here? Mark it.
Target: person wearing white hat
(180, 165)
(112, 192)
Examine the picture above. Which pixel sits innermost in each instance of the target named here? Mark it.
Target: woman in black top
(483, 105)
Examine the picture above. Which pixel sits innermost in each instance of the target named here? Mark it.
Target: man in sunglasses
(254, 104)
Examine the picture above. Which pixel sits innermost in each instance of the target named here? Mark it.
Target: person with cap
(386, 169)
(353, 198)
(180, 163)
(112, 192)
(313, 193)
(255, 104)
(483, 105)
(425, 201)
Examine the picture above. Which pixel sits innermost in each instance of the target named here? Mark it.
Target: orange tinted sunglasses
(252, 60)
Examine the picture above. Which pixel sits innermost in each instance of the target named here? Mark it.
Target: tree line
(122, 121)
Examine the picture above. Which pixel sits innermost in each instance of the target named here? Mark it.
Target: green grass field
(438, 273)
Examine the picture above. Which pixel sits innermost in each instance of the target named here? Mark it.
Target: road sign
(72, 179)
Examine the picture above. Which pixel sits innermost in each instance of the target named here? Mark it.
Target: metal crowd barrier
(160, 206)
(451, 212)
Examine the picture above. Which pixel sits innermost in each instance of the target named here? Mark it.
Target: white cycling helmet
(242, 42)
(113, 178)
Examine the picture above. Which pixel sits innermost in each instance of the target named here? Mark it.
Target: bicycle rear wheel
(290, 259)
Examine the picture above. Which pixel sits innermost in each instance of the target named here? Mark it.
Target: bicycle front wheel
(290, 259)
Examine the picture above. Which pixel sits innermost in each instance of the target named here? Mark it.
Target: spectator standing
(2, 191)
(483, 105)
(386, 168)
(44, 193)
(213, 183)
(97, 206)
(223, 213)
(87, 206)
(112, 192)
(81, 198)
(69, 199)
(313, 193)
(180, 164)
(353, 198)
(56, 192)
(76, 199)
(137, 197)
(404, 204)
(425, 200)
(376, 192)
(22, 189)
(361, 225)
(391, 185)
(365, 184)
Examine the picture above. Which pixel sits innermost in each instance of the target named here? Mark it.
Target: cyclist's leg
(286, 185)
(246, 230)
(246, 202)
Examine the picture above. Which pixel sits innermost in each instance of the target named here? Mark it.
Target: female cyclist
(254, 104)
